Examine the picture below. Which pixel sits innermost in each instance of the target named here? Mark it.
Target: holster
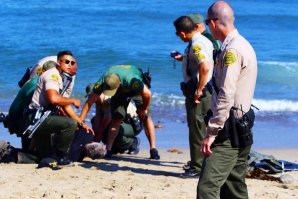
(136, 124)
(189, 88)
(238, 130)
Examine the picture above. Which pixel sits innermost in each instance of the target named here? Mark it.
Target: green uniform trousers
(124, 138)
(223, 173)
(63, 129)
(197, 128)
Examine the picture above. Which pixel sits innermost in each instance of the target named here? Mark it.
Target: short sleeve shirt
(50, 79)
(200, 51)
(131, 82)
(37, 69)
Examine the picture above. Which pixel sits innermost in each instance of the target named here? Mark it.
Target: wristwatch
(81, 124)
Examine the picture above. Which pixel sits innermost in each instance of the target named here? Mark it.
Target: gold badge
(196, 49)
(55, 77)
(230, 58)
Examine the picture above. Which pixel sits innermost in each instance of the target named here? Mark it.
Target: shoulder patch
(230, 58)
(196, 49)
(55, 77)
(201, 57)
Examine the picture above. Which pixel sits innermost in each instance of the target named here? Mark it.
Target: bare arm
(146, 96)
(57, 100)
(86, 108)
(71, 113)
(203, 77)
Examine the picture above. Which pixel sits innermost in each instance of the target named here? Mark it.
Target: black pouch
(223, 134)
(183, 88)
(240, 131)
(146, 76)
(243, 127)
(136, 124)
(191, 87)
(25, 77)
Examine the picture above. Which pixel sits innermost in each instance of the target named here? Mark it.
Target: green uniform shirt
(209, 36)
(23, 98)
(131, 82)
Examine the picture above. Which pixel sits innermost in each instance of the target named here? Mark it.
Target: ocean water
(104, 33)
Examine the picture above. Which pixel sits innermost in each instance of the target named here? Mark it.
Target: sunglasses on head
(66, 61)
(207, 21)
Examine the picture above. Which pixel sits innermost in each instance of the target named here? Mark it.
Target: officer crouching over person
(47, 96)
(124, 83)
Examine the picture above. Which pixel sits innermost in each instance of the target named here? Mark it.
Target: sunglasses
(207, 21)
(66, 61)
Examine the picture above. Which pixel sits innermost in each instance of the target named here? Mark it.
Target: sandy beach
(127, 176)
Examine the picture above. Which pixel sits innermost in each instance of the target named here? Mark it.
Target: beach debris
(174, 151)
(257, 173)
(158, 125)
(286, 179)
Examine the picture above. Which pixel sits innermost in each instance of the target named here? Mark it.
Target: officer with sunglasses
(47, 95)
(234, 80)
(197, 71)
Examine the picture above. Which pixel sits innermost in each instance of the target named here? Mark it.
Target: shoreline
(127, 176)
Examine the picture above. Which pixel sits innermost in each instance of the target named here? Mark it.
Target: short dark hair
(184, 24)
(62, 53)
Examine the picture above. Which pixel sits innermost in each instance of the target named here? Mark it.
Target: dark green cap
(48, 65)
(196, 18)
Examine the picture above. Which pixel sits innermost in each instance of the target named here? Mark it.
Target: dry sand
(127, 176)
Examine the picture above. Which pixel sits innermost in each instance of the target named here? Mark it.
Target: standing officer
(197, 71)
(123, 83)
(235, 73)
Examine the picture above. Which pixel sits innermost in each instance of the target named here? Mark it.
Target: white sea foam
(282, 105)
(289, 66)
(276, 105)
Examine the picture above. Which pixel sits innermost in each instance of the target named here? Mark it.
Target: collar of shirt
(229, 38)
(195, 36)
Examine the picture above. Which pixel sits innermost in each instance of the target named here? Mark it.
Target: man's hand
(197, 96)
(176, 55)
(206, 145)
(87, 128)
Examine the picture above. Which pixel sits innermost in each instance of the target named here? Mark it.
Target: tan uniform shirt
(235, 73)
(50, 79)
(201, 51)
(37, 69)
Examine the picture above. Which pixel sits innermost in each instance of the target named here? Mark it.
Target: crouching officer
(129, 128)
(47, 95)
(123, 83)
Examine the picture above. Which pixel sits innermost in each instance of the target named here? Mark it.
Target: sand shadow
(142, 160)
(113, 167)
